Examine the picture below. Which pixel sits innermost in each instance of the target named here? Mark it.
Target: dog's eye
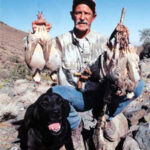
(44, 103)
(59, 101)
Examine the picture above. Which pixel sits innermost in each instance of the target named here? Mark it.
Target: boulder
(130, 144)
(134, 116)
(143, 136)
(121, 124)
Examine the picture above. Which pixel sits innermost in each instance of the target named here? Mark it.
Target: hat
(90, 3)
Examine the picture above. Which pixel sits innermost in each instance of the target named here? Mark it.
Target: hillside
(11, 49)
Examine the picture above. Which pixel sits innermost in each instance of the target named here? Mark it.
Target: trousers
(80, 101)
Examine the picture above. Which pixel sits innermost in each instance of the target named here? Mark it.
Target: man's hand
(122, 28)
(120, 36)
(36, 22)
(41, 21)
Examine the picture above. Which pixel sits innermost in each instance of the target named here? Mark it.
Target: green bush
(20, 72)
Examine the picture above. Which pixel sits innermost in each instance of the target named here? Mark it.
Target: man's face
(83, 17)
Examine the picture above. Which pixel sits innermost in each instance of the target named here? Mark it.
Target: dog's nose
(56, 113)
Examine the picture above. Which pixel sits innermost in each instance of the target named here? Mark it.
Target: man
(80, 52)
(80, 49)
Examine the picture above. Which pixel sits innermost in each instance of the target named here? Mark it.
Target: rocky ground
(18, 91)
(16, 96)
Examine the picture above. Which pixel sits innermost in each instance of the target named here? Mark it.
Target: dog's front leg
(34, 141)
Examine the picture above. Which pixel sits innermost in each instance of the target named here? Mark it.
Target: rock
(8, 135)
(20, 87)
(4, 98)
(121, 124)
(42, 88)
(20, 81)
(130, 144)
(30, 98)
(134, 116)
(143, 136)
(147, 117)
(4, 74)
(132, 129)
(89, 122)
(148, 76)
(7, 107)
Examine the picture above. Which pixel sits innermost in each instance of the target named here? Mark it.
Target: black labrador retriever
(46, 123)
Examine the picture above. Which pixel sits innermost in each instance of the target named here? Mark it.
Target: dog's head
(48, 113)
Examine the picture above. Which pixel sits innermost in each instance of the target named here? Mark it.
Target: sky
(20, 14)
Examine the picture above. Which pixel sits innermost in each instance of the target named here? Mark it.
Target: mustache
(81, 22)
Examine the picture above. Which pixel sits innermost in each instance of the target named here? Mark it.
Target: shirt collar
(88, 36)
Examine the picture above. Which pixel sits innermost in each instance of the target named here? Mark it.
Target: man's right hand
(40, 21)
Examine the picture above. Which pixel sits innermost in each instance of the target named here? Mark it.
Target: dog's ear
(44, 102)
(31, 115)
(66, 108)
(49, 91)
(28, 117)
